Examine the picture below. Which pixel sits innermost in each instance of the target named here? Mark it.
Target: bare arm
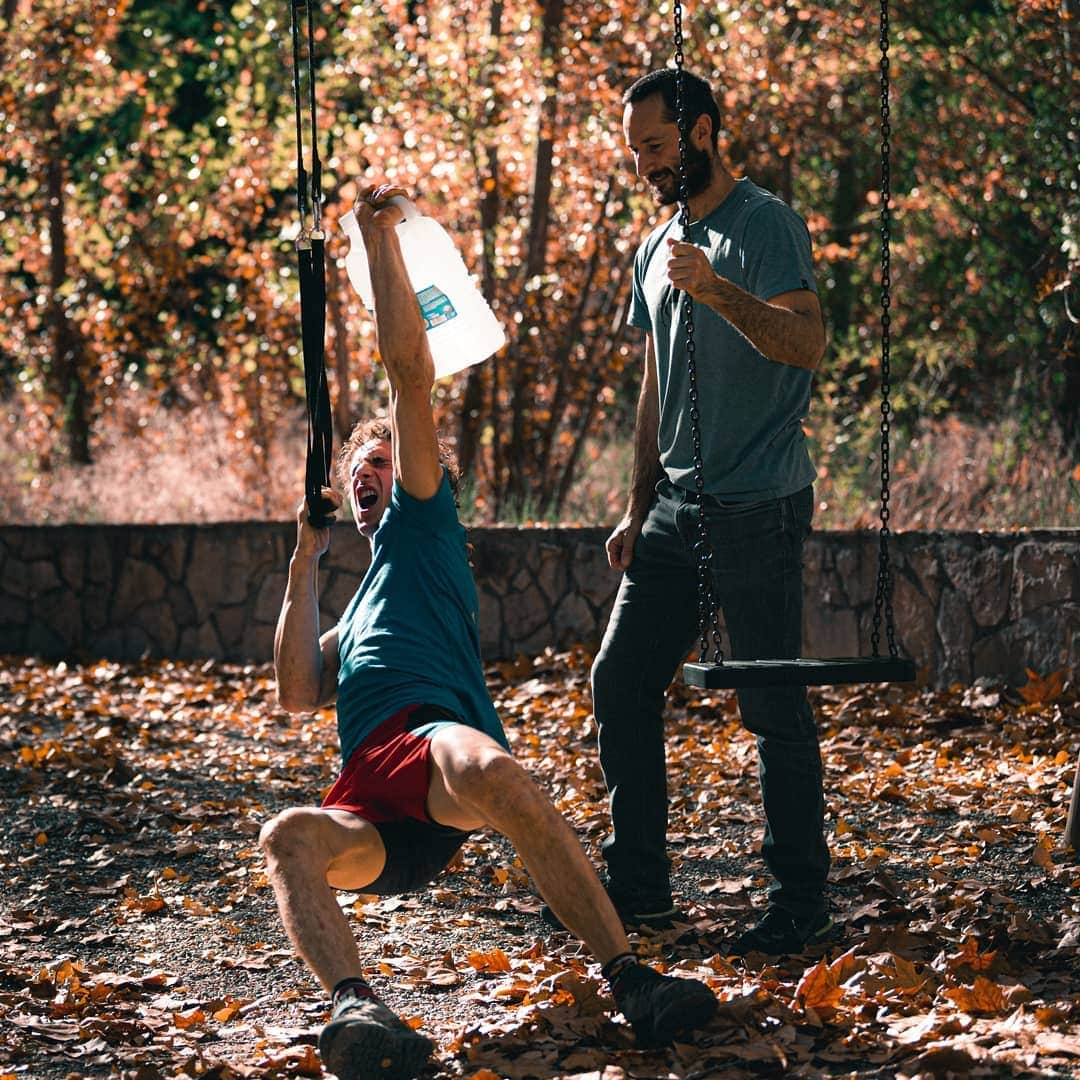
(787, 328)
(620, 545)
(306, 666)
(403, 346)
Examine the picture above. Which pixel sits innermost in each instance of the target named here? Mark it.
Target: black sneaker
(365, 1039)
(778, 933)
(654, 912)
(659, 1007)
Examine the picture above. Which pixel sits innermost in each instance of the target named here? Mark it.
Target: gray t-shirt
(752, 408)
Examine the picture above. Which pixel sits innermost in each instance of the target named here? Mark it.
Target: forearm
(795, 338)
(646, 449)
(298, 663)
(399, 326)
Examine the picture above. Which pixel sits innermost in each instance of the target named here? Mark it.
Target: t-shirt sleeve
(639, 309)
(435, 515)
(780, 256)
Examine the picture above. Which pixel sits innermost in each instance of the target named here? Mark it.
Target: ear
(701, 135)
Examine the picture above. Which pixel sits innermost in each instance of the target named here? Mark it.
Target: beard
(665, 184)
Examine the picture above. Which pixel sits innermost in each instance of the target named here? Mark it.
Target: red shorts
(385, 781)
(387, 776)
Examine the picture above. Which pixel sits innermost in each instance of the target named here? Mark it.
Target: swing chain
(883, 595)
(708, 617)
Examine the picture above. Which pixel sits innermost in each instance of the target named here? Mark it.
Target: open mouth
(367, 498)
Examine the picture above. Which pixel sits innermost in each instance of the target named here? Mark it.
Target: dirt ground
(139, 938)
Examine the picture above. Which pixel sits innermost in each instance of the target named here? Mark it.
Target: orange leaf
(189, 1019)
(984, 997)
(1040, 691)
(818, 988)
(496, 960)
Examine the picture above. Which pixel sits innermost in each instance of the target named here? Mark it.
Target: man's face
(371, 478)
(654, 142)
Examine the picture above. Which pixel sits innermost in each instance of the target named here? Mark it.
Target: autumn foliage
(148, 178)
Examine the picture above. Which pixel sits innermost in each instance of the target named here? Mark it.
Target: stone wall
(967, 604)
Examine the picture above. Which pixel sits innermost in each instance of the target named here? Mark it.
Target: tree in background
(149, 208)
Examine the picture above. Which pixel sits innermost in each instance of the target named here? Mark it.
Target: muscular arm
(403, 347)
(787, 328)
(305, 665)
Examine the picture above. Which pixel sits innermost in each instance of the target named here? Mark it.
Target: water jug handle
(407, 207)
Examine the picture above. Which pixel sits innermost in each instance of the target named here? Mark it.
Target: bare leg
(308, 853)
(474, 782)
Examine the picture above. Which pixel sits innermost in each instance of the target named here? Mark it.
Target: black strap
(311, 262)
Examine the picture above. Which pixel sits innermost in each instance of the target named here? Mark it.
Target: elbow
(815, 352)
(295, 701)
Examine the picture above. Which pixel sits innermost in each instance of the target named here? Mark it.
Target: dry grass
(196, 467)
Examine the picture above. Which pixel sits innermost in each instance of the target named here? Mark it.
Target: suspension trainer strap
(708, 618)
(883, 594)
(311, 265)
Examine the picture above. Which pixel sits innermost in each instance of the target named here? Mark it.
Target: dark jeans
(757, 581)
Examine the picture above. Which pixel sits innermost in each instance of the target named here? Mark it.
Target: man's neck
(720, 186)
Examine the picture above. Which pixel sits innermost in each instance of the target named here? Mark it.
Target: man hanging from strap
(425, 755)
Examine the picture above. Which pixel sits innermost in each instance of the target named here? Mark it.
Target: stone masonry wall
(967, 604)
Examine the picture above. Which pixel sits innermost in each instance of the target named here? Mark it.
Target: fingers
(376, 196)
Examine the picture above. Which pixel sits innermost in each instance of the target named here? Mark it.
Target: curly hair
(367, 430)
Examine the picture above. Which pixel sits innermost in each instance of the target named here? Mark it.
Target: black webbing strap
(311, 263)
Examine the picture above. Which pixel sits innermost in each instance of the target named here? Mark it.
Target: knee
(287, 837)
(605, 682)
(486, 777)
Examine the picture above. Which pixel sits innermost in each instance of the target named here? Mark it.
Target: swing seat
(801, 671)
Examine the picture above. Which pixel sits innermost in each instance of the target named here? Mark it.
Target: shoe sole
(354, 1051)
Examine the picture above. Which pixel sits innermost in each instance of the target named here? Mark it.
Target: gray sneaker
(364, 1039)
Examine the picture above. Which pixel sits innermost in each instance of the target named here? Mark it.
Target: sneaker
(365, 1039)
(660, 1007)
(654, 912)
(778, 933)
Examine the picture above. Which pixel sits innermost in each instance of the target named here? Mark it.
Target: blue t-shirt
(751, 408)
(409, 636)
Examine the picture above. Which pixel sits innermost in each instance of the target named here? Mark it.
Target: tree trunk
(471, 418)
(525, 371)
(67, 342)
(536, 245)
(844, 211)
(343, 415)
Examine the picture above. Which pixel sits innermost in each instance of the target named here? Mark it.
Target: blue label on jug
(435, 306)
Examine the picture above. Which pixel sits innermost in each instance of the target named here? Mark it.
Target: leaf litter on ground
(139, 936)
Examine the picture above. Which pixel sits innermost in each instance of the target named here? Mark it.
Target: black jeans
(757, 581)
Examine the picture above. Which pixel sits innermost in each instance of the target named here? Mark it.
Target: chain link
(883, 594)
(708, 616)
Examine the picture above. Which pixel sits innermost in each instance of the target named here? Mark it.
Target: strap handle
(311, 261)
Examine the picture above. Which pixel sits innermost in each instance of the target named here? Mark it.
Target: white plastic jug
(462, 330)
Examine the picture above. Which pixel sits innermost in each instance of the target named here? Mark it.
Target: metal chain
(708, 617)
(883, 595)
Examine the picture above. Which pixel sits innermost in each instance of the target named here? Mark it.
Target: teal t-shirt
(752, 409)
(409, 636)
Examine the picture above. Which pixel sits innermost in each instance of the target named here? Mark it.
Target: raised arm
(305, 665)
(403, 345)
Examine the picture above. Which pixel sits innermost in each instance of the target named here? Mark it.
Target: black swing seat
(801, 671)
